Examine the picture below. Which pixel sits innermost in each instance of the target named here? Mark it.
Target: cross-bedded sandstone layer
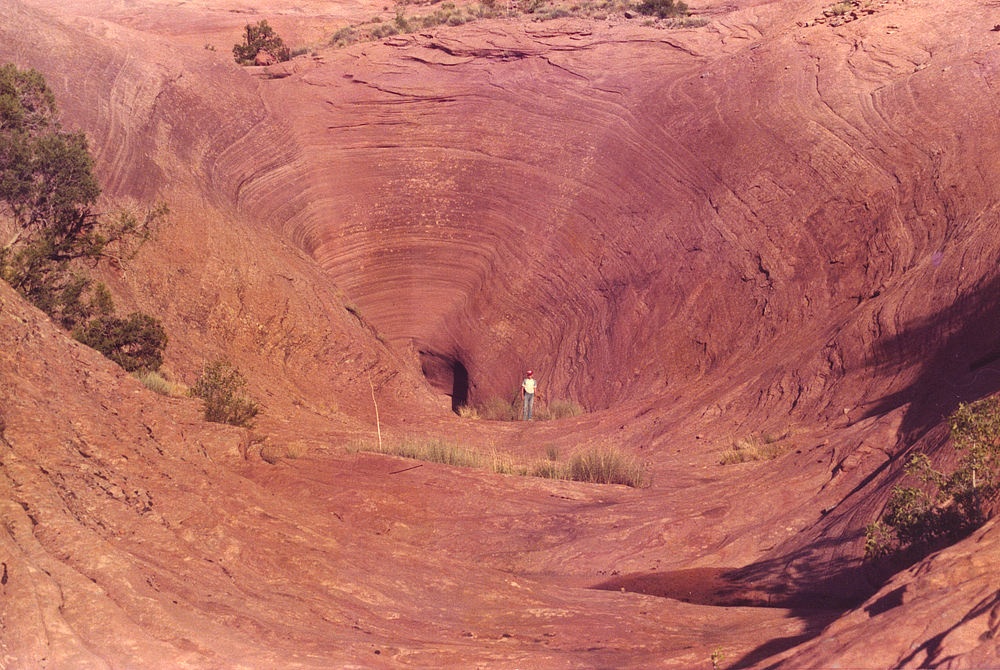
(593, 200)
(757, 225)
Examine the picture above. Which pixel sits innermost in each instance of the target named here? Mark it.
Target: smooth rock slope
(759, 225)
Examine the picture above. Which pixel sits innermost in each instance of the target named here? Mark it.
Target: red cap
(530, 372)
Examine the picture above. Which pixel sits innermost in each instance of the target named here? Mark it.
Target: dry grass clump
(607, 465)
(431, 450)
(546, 470)
(689, 22)
(756, 447)
(158, 383)
(272, 453)
(559, 409)
(599, 465)
(498, 409)
(504, 464)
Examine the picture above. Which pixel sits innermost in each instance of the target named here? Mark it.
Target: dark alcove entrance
(448, 375)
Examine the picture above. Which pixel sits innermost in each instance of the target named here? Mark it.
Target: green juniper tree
(260, 37)
(51, 233)
(135, 343)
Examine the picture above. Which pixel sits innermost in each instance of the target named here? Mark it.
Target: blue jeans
(529, 404)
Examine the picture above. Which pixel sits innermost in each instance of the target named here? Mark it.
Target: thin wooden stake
(378, 425)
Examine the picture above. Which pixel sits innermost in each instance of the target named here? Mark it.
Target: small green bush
(662, 8)
(554, 13)
(945, 507)
(383, 30)
(402, 24)
(222, 387)
(344, 36)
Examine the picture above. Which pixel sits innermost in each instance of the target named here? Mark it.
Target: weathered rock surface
(764, 224)
(138, 536)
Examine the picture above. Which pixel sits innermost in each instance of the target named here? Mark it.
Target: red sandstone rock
(697, 234)
(264, 58)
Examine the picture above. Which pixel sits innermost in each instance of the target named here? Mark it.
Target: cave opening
(459, 386)
(448, 375)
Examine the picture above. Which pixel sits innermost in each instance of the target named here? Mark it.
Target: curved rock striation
(510, 198)
(181, 126)
(764, 224)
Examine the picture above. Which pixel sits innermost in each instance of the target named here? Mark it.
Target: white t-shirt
(529, 385)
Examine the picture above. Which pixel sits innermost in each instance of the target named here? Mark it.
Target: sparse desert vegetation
(575, 184)
(756, 447)
(662, 8)
(257, 38)
(600, 464)
(500, 409)
(222, 387)
(56, 237)
(158, 383)
(944, 507)
(411, 17)
(272, 452)
(606, 465)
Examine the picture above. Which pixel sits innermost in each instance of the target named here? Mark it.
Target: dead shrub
(756, 447)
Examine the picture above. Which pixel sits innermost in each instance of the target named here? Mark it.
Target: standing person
(528, 387)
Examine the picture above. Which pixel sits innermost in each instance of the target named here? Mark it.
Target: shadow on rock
(720, 587)
(960, 349)
(747, 587)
